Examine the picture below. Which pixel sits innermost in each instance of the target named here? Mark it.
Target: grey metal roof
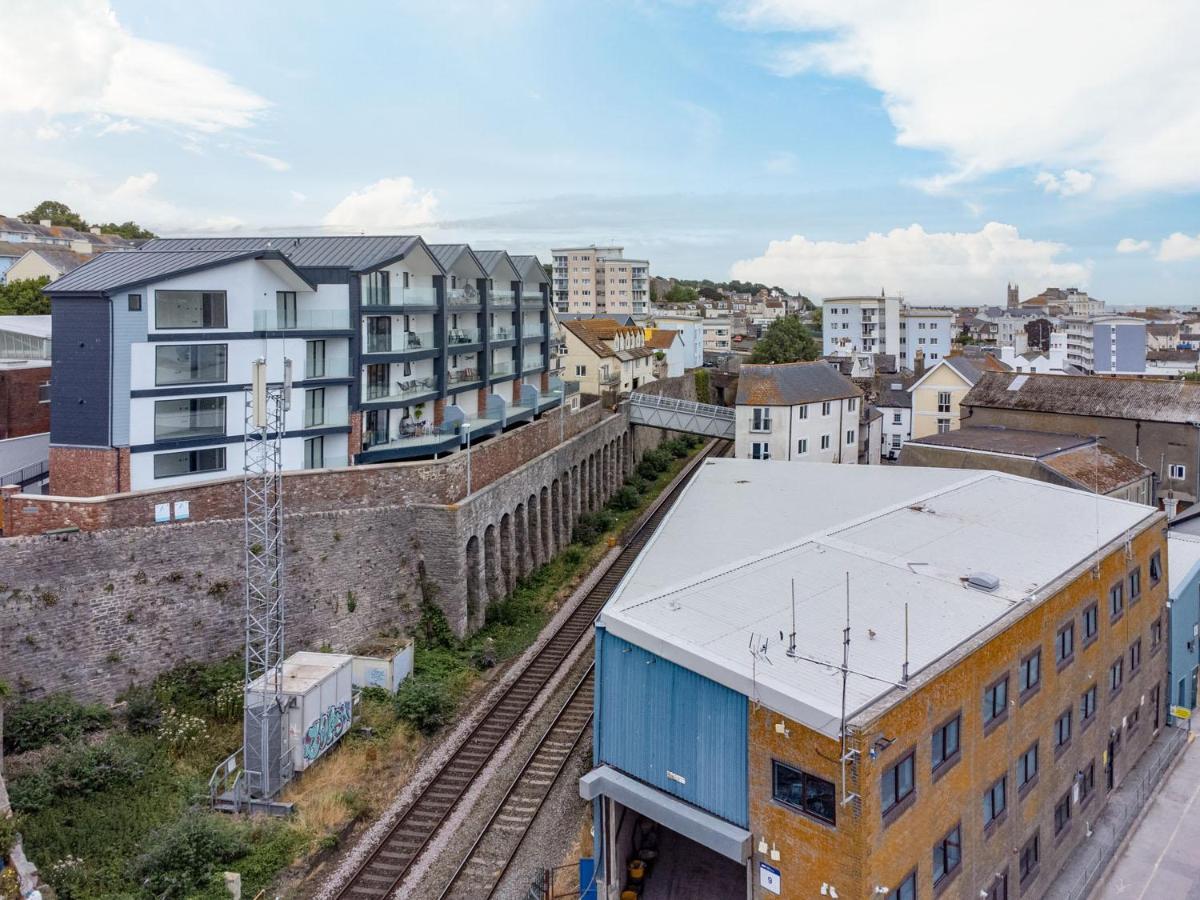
(358, 253)
(790, 384)
(530, 266)
(494, 260)
(1090, 395)
(114, 271)
(447, 255)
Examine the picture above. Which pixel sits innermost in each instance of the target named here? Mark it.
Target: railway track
(382, 871)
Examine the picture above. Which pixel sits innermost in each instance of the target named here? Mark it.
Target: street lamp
(467, 428)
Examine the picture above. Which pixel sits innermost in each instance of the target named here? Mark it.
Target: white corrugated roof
(717, 577)
(1183, 555)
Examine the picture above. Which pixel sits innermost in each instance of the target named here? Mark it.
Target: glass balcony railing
(502, 333)
(528, 296)
(467, 296)
(329, 368)
(400, 342)
(403, 389)
(463, 375)
(503, 298)
(328, 461)
(537, 361)
(301, 320)
(502, 368)
(534, 332)
(459, 336)
(399, 298)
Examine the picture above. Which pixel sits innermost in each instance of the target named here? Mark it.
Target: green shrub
(196, 687)
(625, 499)
(591, 527)
(186, 854)
(8, 834)
(572, 556)
(703, 387)
(653, 463)
(375, 694)
(81, 770)
(31, 724)
(638, 483)
(142, 710)
(433, 631)
(425, 703)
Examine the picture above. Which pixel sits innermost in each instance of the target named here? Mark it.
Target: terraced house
(928, 689)
(398, 350)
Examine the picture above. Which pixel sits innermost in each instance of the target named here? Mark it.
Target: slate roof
(109, 272)
(791, 384)
(1113, 398)
(358, 253)
(61, 259)
(1097, 468)
(1013, 441)
(894, 394)
(1173, 356)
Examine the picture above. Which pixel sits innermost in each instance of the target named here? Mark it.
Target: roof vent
(983, 581)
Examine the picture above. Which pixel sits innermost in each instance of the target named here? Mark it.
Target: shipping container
(372, 671)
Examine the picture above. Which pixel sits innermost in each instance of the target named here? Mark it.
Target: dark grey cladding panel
(80, 373)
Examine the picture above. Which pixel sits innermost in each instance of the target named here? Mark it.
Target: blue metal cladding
(656, 717)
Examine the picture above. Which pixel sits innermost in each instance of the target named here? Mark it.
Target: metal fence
(1083, 870)
(28, 474)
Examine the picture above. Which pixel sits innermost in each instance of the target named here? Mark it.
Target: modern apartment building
(1005, 649)
(886, 325)
(600, 280)
(398, 350)
(801, 412)
(1106, 344)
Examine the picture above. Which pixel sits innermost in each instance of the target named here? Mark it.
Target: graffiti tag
(325, 731)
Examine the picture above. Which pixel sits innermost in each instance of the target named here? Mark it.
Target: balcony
(536, 296)
(534, 332)
(407, 389)
(329, 368)
(301, 320)
(400, 342)
(500, 369)
(609, 379)
(465, 375)
(404, 298)
(467, 296)
(533, 362)
(503, 333)
(502, 298)
(459, 337)
(412, 441)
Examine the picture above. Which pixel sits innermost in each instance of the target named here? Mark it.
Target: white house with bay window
(802, 412)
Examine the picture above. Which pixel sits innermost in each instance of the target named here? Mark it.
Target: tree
(131, 230)
(548, 268)
(24, 297)
(784, 342)
(818, 317)
(57, 212)
(710, 293)
(680, 293)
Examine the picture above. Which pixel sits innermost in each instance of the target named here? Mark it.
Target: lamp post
(467, 428)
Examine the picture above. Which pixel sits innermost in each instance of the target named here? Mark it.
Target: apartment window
(1030, 854)
(1087, 705)
(947, 854)
(998, 889)
(897, 784)
(1178, 472)
(907, 889)
(377, 286)
(1116, 601)
(995, 701)
(314, 359)
(285, 309)
(1135, 585)
(189, 309)
(404, 280)
(581, 370)
(1135, 656)
(825, 408)
(379, 334)
(897, 418)
(135, 302)
(804, 792)
(852, 404)
(193, 417)
(190, 363)
(1091, 623)
(802, 412)
(1029, 677)
(945, 745)
(1027, 767)
(824, 442)
(761, 419)
(943, 425)
(895, 442)
(943, 401)
(994, 799)
(849, 437)
(802, 446)
(1156, 631)
(377, 381)
(760, 450)
(1062, 730)
(314, 407)
(1116, 676)
(1064, 645)
(1155, 567)
(314, 453)
(189, 462)
(1086, 779)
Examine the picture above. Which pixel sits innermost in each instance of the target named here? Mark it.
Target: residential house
(895, 403)
(718, 335)
(606, 358)
(1042, 362)
(45, 262)
(802, 412)
(669, 343)
(691, 335)
(936, 395)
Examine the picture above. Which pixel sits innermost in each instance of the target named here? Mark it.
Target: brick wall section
(437, 481)
(84, 471)
(21, 413)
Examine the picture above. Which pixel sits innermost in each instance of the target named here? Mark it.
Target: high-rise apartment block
(886, 325)
(600, 280)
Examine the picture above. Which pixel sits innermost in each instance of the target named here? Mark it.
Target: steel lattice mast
(267, 754)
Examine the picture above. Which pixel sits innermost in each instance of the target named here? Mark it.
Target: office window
(1087, 705)
(995, 700)
(1156, 632)
(1029, 676)
(907, 889)
(824, 442)
(760, 450)
(189, 462)
(193, 417)
(1029, 858)
(189, 309)
(1135, 585)
(190, 363)
(1027, 766)
(945, 742)
(135, 302)
(1116, 600)
(943, 402)
(1135, 656)
(943, 425)
(1116, 675)
(849, 437)
(947, 854)
(802, 446)
(1178, 472)
(1062, 730)
(1091, 623)
(761, 420)
(802, 791)
(314, 407)
(1064, 644)
(314, 453)
(1155, 567)
(897, 784)
(994, 799)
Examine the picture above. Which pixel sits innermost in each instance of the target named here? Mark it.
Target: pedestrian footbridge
(681, 415)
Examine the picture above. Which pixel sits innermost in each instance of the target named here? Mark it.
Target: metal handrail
(26, 474)
(690, 406)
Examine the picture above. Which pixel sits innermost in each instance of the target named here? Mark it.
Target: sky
(931, 149)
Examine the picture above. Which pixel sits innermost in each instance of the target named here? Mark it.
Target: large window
(762, 419)
(1091, 624)
(1135, 585)
(907, 889)
(759, 450)
(1062, 813)
(1064, 645)
(947, 854)
(189, 309)
(1030, 674)
(314, 407)
(897, 784)
(1116, 675)
(943, 401)
(805, 792)
(945, 742)
(1116, 600)
(994, 800)
(193, 417)
(1155, 567)
(314, 359)
(189, 462)
(1030, 855)
(1087, 704)
(377, 381)
(190, 363)
(285, 309)
(995, 701)
(1062, 730)
(376, 289)
(314, 453)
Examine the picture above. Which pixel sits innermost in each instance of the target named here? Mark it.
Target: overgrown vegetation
(32, 724)
(703, 386)
(785, 340)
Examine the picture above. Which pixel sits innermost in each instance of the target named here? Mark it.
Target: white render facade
(1106, 344)
(691, 331)
(886, 325)
(824, 431)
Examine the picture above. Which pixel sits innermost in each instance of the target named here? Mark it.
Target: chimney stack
(919, 363)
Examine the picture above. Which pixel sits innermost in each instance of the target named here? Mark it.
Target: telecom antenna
(267, 760)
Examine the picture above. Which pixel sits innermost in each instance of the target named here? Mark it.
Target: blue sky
(832, 147)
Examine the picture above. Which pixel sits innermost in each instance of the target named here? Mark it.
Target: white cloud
(1111, 93)
(390, 203)
(298, 197)
(1129, 245)
(271, 162)
(940, 267)
(782, 163)
(73, 57)
(120, 126)
(137, 198)
(1070, 183)
(1178, 247)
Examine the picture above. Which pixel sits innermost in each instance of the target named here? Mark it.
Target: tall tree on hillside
(24, 297)
(785, 341)
(57, 212)
(680, 293)
(131, 230)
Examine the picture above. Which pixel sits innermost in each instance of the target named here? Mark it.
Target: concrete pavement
(1160, 858)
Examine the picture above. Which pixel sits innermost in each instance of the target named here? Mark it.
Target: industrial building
(927, 688)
